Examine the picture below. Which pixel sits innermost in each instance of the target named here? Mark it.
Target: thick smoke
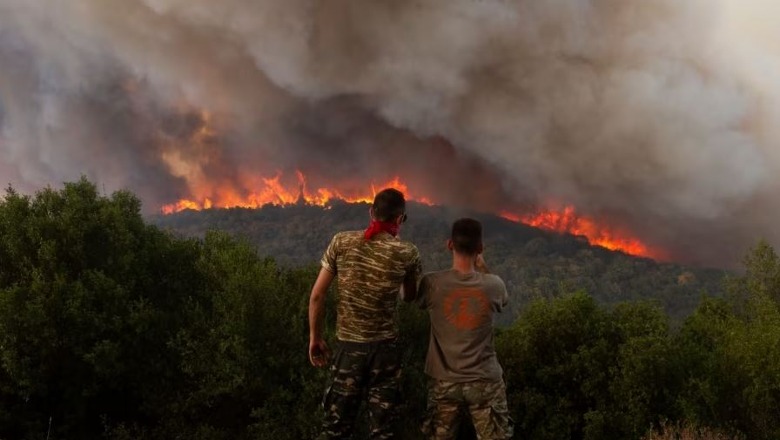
(658, 116)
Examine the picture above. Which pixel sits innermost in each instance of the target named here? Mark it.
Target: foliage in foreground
(686, 431)
(111, 328)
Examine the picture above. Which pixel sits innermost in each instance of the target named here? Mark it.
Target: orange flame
(194, 158)
(190, 159)
(272, 191)
(568, 221)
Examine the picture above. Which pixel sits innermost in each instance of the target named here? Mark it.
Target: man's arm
(480, 265)
(409, 292)
(413, 274)
(423, 292)
(318, 349)
(504, 295)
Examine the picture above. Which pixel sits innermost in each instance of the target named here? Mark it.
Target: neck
(463, 263)
(377, 226)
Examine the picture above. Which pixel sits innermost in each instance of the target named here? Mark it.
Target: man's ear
(450, 246)
(480, 249)
(371, 212)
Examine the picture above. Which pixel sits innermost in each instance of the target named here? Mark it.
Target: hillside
(534, 263)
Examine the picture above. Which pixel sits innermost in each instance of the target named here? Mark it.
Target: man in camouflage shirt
(370, 266)
(462, 365)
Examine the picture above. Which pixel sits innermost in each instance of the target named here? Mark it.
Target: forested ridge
(111, 327)
(534, 263)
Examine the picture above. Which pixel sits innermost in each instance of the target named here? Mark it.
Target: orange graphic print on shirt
(467, 308)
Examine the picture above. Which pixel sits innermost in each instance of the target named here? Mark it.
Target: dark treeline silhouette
(113, 328)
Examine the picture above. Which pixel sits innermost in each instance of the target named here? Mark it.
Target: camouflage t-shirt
(369, 275)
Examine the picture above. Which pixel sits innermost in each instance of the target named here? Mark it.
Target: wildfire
(196, 157)
(193, 159)
(568, 221)
(273, 191)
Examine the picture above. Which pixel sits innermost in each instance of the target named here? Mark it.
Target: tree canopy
(111, 327)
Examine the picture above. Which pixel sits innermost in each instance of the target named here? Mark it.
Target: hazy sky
(660, 117)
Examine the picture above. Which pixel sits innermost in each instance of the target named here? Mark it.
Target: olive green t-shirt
(461, 308)
(369, 275)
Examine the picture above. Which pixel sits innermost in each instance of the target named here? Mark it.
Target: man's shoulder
(397, 247)
(436, 275)
(347, 235)
(345, 240)
(492, 279)
(408, 246)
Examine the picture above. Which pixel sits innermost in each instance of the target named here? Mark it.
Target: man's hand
(318, 350)
(480, 265)
(319, 354)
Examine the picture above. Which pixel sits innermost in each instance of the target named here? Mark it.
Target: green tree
(555, 358)
(577, 370)
(88, 303)
(730, 350)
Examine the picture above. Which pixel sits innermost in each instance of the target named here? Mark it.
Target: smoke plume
(659, 117)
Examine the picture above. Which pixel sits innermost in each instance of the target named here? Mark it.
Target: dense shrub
(112, 328)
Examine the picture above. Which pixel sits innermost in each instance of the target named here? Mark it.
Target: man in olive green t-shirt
(461, 361)
(371, 266)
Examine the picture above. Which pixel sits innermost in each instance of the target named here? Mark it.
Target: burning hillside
(655, 120)
(272, 191)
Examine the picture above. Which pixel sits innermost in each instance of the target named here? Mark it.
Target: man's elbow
(317, 297)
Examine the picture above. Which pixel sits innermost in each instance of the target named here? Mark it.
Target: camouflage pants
(363, 369)
(484, 400)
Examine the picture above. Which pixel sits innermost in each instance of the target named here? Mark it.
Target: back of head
(467, 236)
(389, 204)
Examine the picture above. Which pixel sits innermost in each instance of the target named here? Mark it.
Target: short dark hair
(467, 236)
(389, 204)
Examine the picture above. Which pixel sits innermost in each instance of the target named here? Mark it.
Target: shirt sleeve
(414, 268)
(503, 297)
(328, 261)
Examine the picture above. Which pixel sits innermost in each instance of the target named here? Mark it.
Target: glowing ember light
(272, 191)
(568, 221)
(189, 159)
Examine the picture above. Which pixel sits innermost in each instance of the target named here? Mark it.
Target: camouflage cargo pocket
(496, 423)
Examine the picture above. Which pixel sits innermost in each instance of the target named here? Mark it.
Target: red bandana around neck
(376, 227)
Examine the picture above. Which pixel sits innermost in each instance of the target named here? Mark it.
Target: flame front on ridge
(568, 221)
(195, 156)
(273, 191)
